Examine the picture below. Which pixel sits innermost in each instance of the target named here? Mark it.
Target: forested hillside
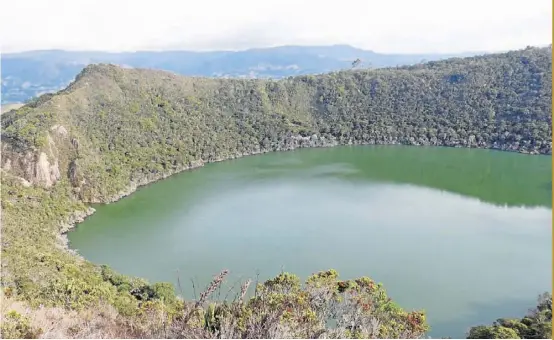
(28, 74)
(114, 129)
(113, 125)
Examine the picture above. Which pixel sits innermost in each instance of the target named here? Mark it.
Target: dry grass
(280, 308)
(58, 323)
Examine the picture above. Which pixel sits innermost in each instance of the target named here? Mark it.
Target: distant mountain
(29, 74)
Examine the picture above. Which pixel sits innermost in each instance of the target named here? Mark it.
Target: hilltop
(114, 128)
(28, 74)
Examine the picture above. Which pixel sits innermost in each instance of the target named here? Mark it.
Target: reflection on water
(461, 259)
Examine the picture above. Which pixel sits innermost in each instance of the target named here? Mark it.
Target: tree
(537, 324)
(356, 63)
(492, 332)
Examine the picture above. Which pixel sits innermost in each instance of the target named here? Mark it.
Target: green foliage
(536, 325)
(41, 272)
(126, 127)
(29, 126)
(493, 332)
(17, 326)
(141, 125)
(284, 308)
(164, 291)
(285, 282)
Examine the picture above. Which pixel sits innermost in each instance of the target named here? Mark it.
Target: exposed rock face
(73, 173)
(39, 166)
(45, 173)
(33, 166)
(59, 130)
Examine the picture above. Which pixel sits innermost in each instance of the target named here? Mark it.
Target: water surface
(464, 234)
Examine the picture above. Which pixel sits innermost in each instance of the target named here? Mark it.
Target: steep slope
(113, 129)
(27, 74)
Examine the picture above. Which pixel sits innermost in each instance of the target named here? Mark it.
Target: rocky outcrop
(35, 166)
(46, 173)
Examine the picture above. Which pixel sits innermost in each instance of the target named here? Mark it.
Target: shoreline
(77, 217)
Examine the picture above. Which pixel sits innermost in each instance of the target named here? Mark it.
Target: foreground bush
(537, 324)
(323, 307)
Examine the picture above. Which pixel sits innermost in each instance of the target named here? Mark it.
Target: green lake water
(463, 233)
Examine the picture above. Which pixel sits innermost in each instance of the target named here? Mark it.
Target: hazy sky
(383, 25)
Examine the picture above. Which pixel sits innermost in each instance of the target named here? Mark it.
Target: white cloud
(383, 26)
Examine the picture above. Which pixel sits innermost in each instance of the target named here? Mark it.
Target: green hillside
(114, 129)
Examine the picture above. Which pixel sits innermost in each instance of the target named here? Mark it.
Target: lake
(464, 234)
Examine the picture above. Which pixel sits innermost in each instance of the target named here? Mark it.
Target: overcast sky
(404, 26)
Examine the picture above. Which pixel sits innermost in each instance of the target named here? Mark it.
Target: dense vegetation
(536, 325)
(28, 74)
(114, 129)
